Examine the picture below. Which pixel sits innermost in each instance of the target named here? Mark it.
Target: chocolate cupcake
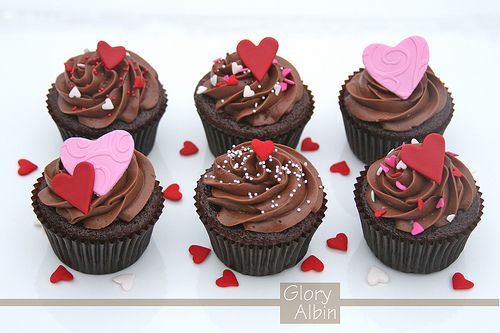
(395, 98)
(252, 93)
(260, 204)
(98, 203)
(418, 206)
(109, 89)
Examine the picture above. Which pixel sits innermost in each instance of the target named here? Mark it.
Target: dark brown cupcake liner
(369, 145)
(144, 136)
(220, 141)
(101, 257)
(411, 254)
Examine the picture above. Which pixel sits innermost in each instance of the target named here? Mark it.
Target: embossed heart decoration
(110, 155)
(399, 68)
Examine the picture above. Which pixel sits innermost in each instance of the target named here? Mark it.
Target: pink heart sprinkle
(390, 161)
(226, 77)
(440, 203)
(416, 229)
(400, 186)
(285, 72)
(283, 86)
(384, 168)
(290, 82)
(275, 62)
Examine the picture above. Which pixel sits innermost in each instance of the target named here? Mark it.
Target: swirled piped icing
(237, 93)
(263, 196)
(99, 96)
(404, 196)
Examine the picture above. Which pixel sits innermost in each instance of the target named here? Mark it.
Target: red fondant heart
(76, 189)
(228, 279)
(26, 167)
(61, 274)
(258, 58)
(138, 83)
(309, 145)
(231, 80)
(110, 56)
(456, 172)
(460, 282)
(172, 192)
(263, 149)
(188, 148)
(199, 253)
(426, 158)
(312, 262)
(338, 242)
(340, 167)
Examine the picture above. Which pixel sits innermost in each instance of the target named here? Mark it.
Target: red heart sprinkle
(189, 148)
(456, 172)
(231, 80)
(26, 167)
(340, 167)
(61, 274)
(111, 56)
(138, 83)
(312, 262)
(76, 189)
(309, 145)
(228, 279)
(172, 192)
(67, 67)
(420, 203)
(258, 58)
(426, 158)
(460, 282)
(263, 149)
(379, 213)
(338, 242)
(199, 253)
(396, 174)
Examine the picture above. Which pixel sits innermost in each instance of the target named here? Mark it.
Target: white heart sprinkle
(379, 171)
(235, 68)
(213, 80)
(376, 276)
(373, 195)
(74, 92)
(277, 89)
(401, 165)
(247, 91)
(108, 105)
(450, 217)
(414, 141)
(126, 281)
(201, 90)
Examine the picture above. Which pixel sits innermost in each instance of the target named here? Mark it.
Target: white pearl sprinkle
(298, 209)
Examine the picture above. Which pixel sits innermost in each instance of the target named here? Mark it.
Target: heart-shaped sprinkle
(228, 279)
(110, 56)
(258, 58)
(426, 158)
(420, 203)
(26, 167)
(201, 90)
(456, 172)
(416, 228)
(277, 89)
(384, 167)
(401, 166)
(414, 141)
(213, 80)
(248, 92)
(77, 188)
(108, 104)
(138, 83)
(309, 145)
(199, 253)
(450, 218)
(188, 148)
(399, 68)
(235, 68)
(74, 92)
(231, 80)
(338, 242)
(126, 281)
(376, 276)
(396, 174)
(61, 274)
(283, 86)
(372, 195)
(263, 149)
(312, 263)
(379, 213)
(459, 282)
(110, 155)
(440, 203)
(172, 192)
(340, 167)
(390, 161)
(400, 186)
(68, 68)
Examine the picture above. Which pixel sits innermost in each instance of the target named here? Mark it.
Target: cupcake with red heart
(395, 98)
(252, 93)
(108, 89)
(261, 204)
(98, 203)
(418, 205)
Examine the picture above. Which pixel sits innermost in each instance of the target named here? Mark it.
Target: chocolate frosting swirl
(402, 206)
(264, 196)
(369, 101)
(132, 87)
(127, 198)
(270, 100)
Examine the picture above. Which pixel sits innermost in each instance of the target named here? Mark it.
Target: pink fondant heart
(390, 161)
(399, 68)
(110, 155)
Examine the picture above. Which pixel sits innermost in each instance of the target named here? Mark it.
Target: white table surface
(324, 40)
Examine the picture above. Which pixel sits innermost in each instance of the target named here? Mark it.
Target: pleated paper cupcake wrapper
(369, 146)
(410, 256)
(220, 141)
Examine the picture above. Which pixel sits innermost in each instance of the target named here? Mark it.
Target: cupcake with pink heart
(395, 98)
(98, 203)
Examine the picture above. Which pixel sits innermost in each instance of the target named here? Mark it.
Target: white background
(324, 40)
